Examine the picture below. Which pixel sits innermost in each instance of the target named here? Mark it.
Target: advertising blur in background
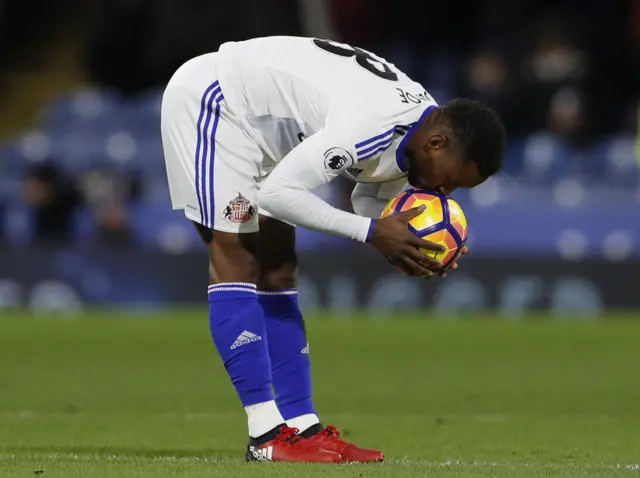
(85, 213)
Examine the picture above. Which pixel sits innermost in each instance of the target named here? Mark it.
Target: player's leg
(240, 334)
(237, 327)
(288, 346)
(287, 341)
(211, 166)
(193, 126)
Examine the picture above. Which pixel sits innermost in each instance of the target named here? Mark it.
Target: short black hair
(479, 132)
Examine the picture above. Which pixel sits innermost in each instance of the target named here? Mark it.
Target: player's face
(443, 171)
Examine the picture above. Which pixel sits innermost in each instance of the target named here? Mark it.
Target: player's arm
(287, 194)
(369, 199)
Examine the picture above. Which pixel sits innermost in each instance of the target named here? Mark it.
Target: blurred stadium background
(84, 207)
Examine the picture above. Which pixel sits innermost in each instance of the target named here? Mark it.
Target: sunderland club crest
(239, 210)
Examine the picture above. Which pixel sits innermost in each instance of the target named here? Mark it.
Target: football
(443, 222)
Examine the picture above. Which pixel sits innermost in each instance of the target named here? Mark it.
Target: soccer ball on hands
(443, 222)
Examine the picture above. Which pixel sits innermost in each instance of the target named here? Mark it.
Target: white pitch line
(496, 418)
(194, 416)
(112, 457)
(36, 414)
(516, 465)
(488, 418)
(451, 463)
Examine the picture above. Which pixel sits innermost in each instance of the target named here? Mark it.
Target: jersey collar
(401, 159)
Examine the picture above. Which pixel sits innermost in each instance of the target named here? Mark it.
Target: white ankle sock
(263, 417)
(303, 422)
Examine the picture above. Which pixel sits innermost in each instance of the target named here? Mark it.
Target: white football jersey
(286, 89)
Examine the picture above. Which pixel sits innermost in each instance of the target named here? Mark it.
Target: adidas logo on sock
(305, 350)
(245, 338)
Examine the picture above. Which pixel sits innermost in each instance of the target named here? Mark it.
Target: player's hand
(454, 266)
(391, 236)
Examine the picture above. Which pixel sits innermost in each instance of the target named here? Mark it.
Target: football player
(248, 133)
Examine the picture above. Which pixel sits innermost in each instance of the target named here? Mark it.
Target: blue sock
(289, 352)
(238, 329)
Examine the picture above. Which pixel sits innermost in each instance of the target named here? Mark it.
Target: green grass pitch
(110, 395)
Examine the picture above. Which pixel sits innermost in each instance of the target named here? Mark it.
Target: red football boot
(291, 447)
(329, 439)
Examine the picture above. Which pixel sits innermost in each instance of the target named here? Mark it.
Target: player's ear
(437, 141)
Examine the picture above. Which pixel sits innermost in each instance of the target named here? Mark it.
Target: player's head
(458, 145)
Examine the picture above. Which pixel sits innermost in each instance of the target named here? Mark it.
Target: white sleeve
(369, 199)
(286, 193)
